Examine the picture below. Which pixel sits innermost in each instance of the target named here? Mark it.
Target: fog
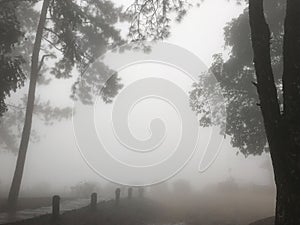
(232, 185)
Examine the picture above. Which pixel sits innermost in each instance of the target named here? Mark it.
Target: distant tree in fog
(160, 191)
(11, 122)
(85, 189)
(182, 187)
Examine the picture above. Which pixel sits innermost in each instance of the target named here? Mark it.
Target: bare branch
(51, 31)
(42, 61)
(53, 45)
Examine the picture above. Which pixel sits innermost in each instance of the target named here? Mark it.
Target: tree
(76, 33)
(262, 105)
(11, 74)
(15, 53)
(267, 127)
(282, 127)
(16, 183)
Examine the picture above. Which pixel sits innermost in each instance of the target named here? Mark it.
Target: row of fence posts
(93, 204)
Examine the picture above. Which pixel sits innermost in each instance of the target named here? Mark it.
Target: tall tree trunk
(16, 182)
(282, 129)
(288, 188)
(287, 202)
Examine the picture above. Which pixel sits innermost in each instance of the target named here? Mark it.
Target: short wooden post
(94, 201)
(118, 191)
(55, 206)
(130, 193)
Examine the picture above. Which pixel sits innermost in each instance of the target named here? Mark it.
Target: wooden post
(55, 206)
(94, 201)
(118, 191)
(130, 193)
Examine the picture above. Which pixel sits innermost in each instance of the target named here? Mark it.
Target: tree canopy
(238, 81)
(75, 34)
(12, 76)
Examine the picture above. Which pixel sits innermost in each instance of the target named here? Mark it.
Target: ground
(128, 212)
(28, 203)
(266, 221)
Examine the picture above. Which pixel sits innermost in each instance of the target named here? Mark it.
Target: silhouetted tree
(282, 125)
(263, 106)
(75, 33)
(265, 116)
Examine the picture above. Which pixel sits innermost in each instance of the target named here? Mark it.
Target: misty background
(54, 164)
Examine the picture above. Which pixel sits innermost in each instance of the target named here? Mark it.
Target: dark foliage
(238, 82)
(12, 76)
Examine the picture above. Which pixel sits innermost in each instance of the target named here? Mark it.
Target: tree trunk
(288, 186)
(282, 129)
(287, 203)
(286, 179)
(16, 182)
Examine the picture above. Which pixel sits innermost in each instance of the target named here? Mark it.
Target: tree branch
(51, 31)
(42, 61)
(254, 83)
(53, 45)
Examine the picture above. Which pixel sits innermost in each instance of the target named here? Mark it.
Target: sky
(56, 160)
